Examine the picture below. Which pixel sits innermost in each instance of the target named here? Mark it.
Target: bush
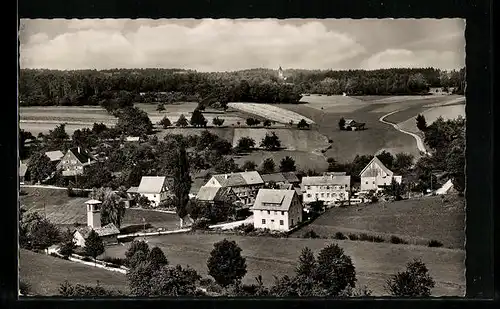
(372, 238)
(378, 239)
(340, 235)
(435, 243)
(115, 261)
(374, 199)
(397, 240)
(310, 234)
(87, 259)
(201, 224)
(246, 228)
(353, 237)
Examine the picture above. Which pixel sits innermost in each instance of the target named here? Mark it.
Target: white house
(330, 188)
(107, 233)
(376, 176)
(244, 184)
(154, 188)
(278, 210)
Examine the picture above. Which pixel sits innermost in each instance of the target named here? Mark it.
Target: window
(322, 195)
(317, 194)
(308, 194)
(154, 195)
(292, 221)
(374, 182)
(263, 221)
(268, 212)
(308, 187)
(282, 213)
(367, 182)
(272, 221)
(275, 212)
(328, 195)
(328, 187)
(281, 222)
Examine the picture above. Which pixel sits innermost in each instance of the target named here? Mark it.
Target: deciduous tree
(271, 142)
(287, 164)
(421, 123)
(226, 265)
(245, 144)
(40, 167)
(217, 121)
(415, 281)
(94, 245)
(268, 166)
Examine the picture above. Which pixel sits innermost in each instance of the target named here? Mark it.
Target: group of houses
(276, 199)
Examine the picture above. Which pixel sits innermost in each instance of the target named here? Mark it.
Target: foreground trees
(112, 207)
(226, 265)
(40, 167)
(415, 281)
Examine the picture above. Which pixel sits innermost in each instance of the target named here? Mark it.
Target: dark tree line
(118, 88)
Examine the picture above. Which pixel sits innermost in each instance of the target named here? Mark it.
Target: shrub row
(116, 261)
(434, 243)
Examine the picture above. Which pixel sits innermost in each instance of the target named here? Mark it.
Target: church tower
(280, 74)
(93, 213)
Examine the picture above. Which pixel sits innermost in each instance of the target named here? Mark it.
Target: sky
(229, 45)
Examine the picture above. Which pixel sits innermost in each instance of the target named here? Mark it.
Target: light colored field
(303, 160)
(432, 114)
(64, 210)
(417, 221)
(407, 102)
(301, 140)
(273, 256)
(333, 103)
(271, 112)
(459, 100)
(45, 273)
(401, 98)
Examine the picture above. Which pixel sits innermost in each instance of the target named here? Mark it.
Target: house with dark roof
(75, 161)
(154, 188)
(245, 185)
(217, 195)
(280, 178)
(278, 210)
(375, 176)
(328, 188)
(351, 125)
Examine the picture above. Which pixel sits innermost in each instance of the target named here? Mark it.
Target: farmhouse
(351, 125)
(216, 195)
(277, 209)
(281, 178)
(376, 176)
(154, 188)
(244, 184)
(328, 188)
(75, 161)
(107, 233)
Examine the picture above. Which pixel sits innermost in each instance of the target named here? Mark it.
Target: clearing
(416, 220)
(273, 256)
(432, 114)
(269, 111)
(63, 210)
(45, 273)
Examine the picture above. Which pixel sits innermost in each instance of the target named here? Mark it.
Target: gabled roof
(151, 184)
(83, 155)
(239, 179)
(274, 177)
(54, 155)
(291, 177)
(106, 230)
(379, 163)
(327, 180)
(348, 121)
(214, 194)
(132, 190)
(22, 169)
(271, 199)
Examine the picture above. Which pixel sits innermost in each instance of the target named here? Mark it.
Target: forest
(92, 87)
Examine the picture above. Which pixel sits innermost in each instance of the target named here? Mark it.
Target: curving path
(420, 143)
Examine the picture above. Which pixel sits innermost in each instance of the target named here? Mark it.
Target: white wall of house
(278, 220)
(156, 198)
(328, 194)
(79, 240)
(375, 183)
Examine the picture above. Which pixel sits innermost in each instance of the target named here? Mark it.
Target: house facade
(375, 176)
(154, 188)
(75, 161)
(278, 210)
(245, 185)
(329, 188)
(217, 195)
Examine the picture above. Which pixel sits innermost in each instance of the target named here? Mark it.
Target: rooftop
(214, 194)
(81, 154)
(326, 180)
(271, 199)
(54, 155)
(239, 179)
(376, 161)
(106, 230)
(151, 184)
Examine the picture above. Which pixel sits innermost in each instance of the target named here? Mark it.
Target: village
(163, 178)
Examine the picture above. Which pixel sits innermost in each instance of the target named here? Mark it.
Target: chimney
(88, 160)
(78, 149)
(226, 176)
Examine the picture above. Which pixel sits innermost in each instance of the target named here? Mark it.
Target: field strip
(420, 143)
(90, 122)
(270, 112)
